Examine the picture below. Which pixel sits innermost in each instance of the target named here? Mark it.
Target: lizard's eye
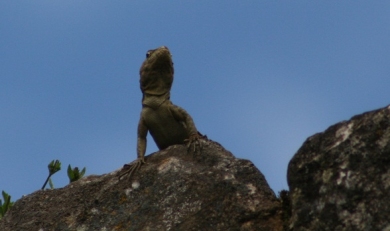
(148, 54)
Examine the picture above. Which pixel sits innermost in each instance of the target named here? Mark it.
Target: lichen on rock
(339, 179)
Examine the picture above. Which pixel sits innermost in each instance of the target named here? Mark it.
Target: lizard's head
(159, 60)
(157, 72)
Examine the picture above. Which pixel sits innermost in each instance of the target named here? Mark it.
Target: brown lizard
(167, 123)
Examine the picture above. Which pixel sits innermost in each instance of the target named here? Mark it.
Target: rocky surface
(175, 190)
(340, 179)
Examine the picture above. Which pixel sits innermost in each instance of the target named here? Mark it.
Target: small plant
(7, 204)
(75, 174)
(54, 166)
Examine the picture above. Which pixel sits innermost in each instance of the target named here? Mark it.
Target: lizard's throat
(155, 101)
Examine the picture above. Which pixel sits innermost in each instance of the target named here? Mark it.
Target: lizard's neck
(155, 101)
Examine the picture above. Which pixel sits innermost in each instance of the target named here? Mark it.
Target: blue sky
(259, 77)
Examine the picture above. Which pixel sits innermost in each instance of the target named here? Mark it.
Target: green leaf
(51, 184)
(5, 195)
(82, 172)
(75, 174)
(7, 203)
(54, 166)
(70, 173)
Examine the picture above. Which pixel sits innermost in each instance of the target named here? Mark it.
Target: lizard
(167, 123)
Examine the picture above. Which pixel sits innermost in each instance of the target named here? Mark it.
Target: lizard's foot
(194, 140)
(132, 168)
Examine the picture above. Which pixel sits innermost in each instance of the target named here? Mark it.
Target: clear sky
(259, 77)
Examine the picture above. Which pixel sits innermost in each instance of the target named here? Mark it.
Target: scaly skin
(156, 72)
(167, 123)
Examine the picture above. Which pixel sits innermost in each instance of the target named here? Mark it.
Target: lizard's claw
(133, 167)
(194, 140)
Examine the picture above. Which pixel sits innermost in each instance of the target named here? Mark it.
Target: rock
(340, 179)
(175, 190)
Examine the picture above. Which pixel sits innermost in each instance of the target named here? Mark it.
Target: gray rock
(340, 179)
(175, 190)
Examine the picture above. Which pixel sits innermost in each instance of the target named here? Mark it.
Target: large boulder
(175, 190)
(340, 179)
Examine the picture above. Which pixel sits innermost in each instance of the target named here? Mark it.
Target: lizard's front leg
(194, 136)
(141, 148)
(133, 167)
(194, 139)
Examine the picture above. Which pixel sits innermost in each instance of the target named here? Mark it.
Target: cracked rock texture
(340, 179)
(175, 190)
